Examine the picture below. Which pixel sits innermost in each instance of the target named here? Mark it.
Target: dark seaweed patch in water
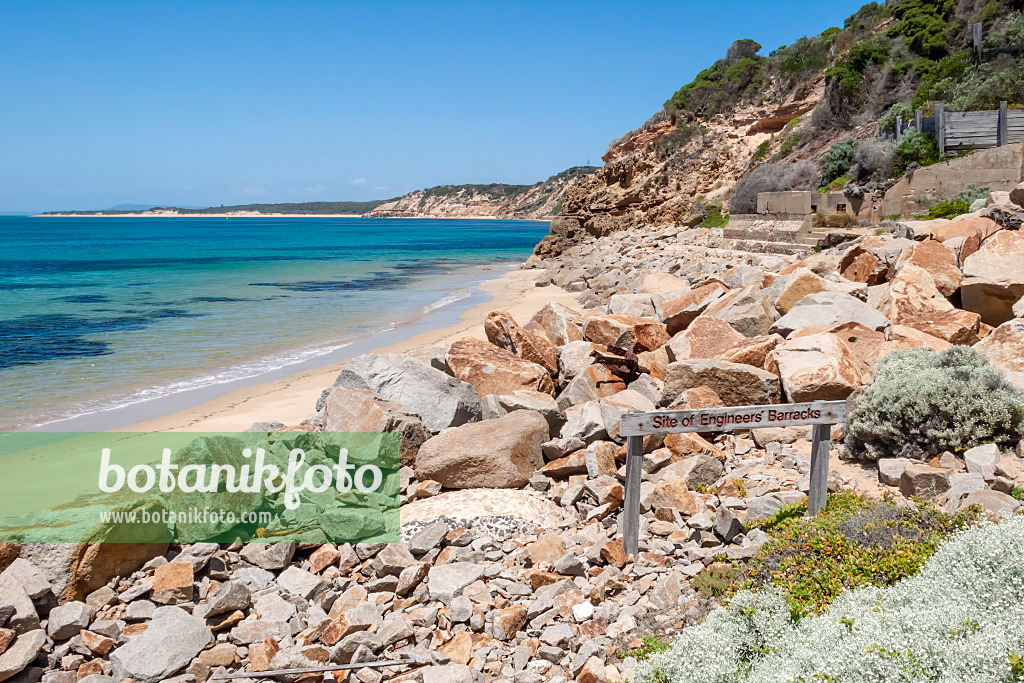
(217, 299)
(34, 339)
(83, 298)
(375, 281)
(13, 286)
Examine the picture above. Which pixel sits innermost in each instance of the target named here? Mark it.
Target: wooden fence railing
(957, 130)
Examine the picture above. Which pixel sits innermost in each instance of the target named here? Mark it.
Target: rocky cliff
(539, 201)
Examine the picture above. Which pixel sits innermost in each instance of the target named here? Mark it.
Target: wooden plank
(631, 513)
(729, 419)
(1002, 122)
(821, 444)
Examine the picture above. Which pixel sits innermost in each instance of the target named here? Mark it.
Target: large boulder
(818, 367)
(737, 385)
(795, 286)
(679, 312)
(1005, 346)
(559, 323)
(501, 453)
(439, 399)
(502, 330)
(860, 265)
(994, 278)
(493, 370)
(169, 643)
(979, 228)
(361, 410)
(937, 260)
(76, 569)
(748, 310)
(913, 300)
(752, 350)
(592, 383)
(639, 305)
(22, 652)
(663, 283)
(706, 337)
(828, 308)
(495, 406)
(626, 332)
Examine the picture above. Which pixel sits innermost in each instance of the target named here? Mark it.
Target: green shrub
(714, 218)
(972, 193)
(924, 25)
(947, 209)
(914, 147)
(853, 542)
(716, 580)
(887, 126)
(837, 185)
(961, 618)
(923, 403)
(788, 146)
(762, 150)
(836, 162)
(652, 645)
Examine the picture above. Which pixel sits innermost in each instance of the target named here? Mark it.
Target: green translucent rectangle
(190, 487)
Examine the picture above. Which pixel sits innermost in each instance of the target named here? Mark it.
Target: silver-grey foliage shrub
(961, 618)
(772, 178)
(922, 403)
(875, 159)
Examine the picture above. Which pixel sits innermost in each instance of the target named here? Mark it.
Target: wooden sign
(820, 414)
(728, 419)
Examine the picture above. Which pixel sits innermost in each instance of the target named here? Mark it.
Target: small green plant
(1018, 492)
(701, 487)
(652, 645)
(917, 148)
(947, 209)
(837, 185)
(788, 145)
(887, 126)
(1017, 666)
(714, 218)
(762, 150)
(717, 579)
(836, 162)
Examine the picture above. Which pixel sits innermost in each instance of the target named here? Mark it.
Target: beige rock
(173, 583)
(1017, 195)
(935, 258)
(687, 445)
(980, 228)
(698, 397)
(924, 481)
(545, 551)
(99, 644)
(459, 649)
(508, 621)
(752, 350)
(735, 384)
(994, 277)
(672, 495)
(678, 313)
(663, 283)
(502, 330)
(818, 367)
(361, 410)
(748, 310)
(1005, 346)
(493, 370)
(501, 453)
(706, 337)
(626, 332)
(801, 283)
(559, 323)
(913, 300)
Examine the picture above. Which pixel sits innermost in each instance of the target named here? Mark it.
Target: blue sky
(204, 103)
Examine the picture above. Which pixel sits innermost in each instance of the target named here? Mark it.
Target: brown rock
(860, 265)
(626, 332)
(6, 638)
(678, 313)
(342, 626)
(801, 283)
(672, 494)
(608, 491)
(361, 410)
(90, 668)
(924, 481)
(698, 397)
(980, 228)
(323, 557)
(173, 583)
(545, 551)
(1005, 346)
(493, 370)
(593, 628)
(99, 644)
(559, 323)
(735, 384)
(574, 463)
(913, 300)
(687, 445)
(819, 367)
(937, 260)
(909, 338)
(864, 342)
(994, 277)
(752, 350)
(539, 579)
(221, 654)
(748, 310)
(706, 337)
(261, 654)
(502, 330)
(9, 552)
(501, 453)
(593, 671)
(507, 622)
(613, 553)
(141, 627)
(459, 649)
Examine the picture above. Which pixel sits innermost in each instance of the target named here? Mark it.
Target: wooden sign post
(634, 426)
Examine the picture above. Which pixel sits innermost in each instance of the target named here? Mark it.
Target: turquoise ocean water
(98, 315)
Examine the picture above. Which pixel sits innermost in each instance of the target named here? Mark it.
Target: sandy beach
(292, 399)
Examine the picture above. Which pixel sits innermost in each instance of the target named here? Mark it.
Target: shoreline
(543, 219)
(293, 398)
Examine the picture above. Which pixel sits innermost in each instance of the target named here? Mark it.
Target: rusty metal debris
(310, 670)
